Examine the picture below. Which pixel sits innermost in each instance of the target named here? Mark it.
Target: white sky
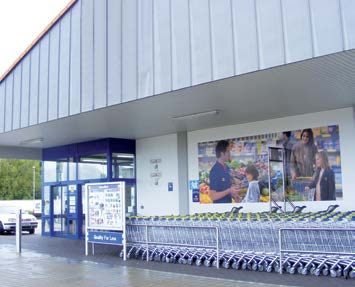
(21, 21)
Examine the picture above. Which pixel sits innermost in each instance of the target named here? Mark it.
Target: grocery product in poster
(312, 158)
(106, 206)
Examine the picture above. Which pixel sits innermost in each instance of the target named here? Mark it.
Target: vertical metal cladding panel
(9, 102)
(100, 61)
(348, 17)
(270, 33)
(162, 47)
(114, 51)
(43, 79)
(34, 90)
(145, 49)
(201, 54)
(75, 60)
(16, 117)
(222, 39)
(245, 36)
(53, 76)
(180, 42)
(2, 106)
(129, 50)
(87, 55)
(326, 26)
(25, 91)
(297, 30)
(64, 67)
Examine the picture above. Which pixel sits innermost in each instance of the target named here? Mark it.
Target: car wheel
(32, 231)
(1, 228)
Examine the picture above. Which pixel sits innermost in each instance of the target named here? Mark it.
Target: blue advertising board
(114, 238)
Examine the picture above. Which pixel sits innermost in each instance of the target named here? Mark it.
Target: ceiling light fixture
(32, 141)
(197, 115)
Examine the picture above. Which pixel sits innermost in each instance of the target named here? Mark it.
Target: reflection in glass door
(60, 210)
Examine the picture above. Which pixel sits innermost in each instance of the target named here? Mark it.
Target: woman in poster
(323, 180)
(303, 155)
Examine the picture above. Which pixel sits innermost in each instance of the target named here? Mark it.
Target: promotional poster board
(301, 168)
(105, 212)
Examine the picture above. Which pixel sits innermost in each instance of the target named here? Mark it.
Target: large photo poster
(236, 170)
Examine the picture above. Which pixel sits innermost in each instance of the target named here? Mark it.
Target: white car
(8, 220)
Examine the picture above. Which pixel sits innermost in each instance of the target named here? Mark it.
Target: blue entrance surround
(66, 169)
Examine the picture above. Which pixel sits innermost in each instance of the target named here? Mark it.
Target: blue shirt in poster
(220, 180)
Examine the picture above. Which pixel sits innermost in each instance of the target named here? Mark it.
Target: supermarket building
(129, 89)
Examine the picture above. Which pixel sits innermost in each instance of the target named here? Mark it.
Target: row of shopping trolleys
(295, 263)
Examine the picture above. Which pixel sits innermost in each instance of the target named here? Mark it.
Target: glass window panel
(46, 200)
(92, 167)
(72, 169)
(123, 165)
(130, 199)
(55, 170)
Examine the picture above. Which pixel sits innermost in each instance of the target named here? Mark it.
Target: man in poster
(221, 189)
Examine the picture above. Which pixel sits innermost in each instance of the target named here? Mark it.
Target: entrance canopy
(315, 85)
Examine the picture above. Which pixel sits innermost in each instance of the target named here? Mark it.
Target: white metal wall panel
(145, 49)
(114, 52)
(16, 117)
(64, 67)
(180, 41)
(9, 102)
(53, 77)
(75, 61)
(270, 33)
(222, 39)
(245, 36)
(25, 91)
(201, 54)
(2, 107)
(34, 91)
(348, 19)
(87, 55)
(43, 79)
(129, 50)
(162, 46)
(100, 60)
(297, 30)
(325, 15)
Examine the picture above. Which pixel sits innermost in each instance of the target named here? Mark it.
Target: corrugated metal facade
(102, 53)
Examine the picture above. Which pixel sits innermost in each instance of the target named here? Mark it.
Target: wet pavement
(48, 261)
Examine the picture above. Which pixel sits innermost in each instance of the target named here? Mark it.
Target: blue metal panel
(245, 36)
(75, 61)
(53, 73)
(181, 44)
(2, 107)
(114, 52)
(87, 55)
(9, 82)
(162, 47)
(145, 49)
(43, 79)
(34, 91)
(64, 66)
(222, 39)
(201, 54)
(129, 50)
(297, 30)
(271, 41)
(16, 117)
(348, 18)
(100, 60)
(25, 94)
(326, 26)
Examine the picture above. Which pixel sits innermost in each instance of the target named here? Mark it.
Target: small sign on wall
(155, 173)
(195, 190)
(170, 186)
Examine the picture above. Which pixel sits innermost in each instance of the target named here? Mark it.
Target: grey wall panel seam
(81, 58)
(171, 46)
(342, 26)
(284, 33)
(258, 40)
(39, 81)
(137, 52)
(190, 40)
(121, 66)
(211, 41)
(48, 78)
(234, 38)
(106, 55)
(5, 89)
(313, 40)
(93, 57)
(29, 91)
(13, 96)
(70, 58)
(153, 45)
(58, 69)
